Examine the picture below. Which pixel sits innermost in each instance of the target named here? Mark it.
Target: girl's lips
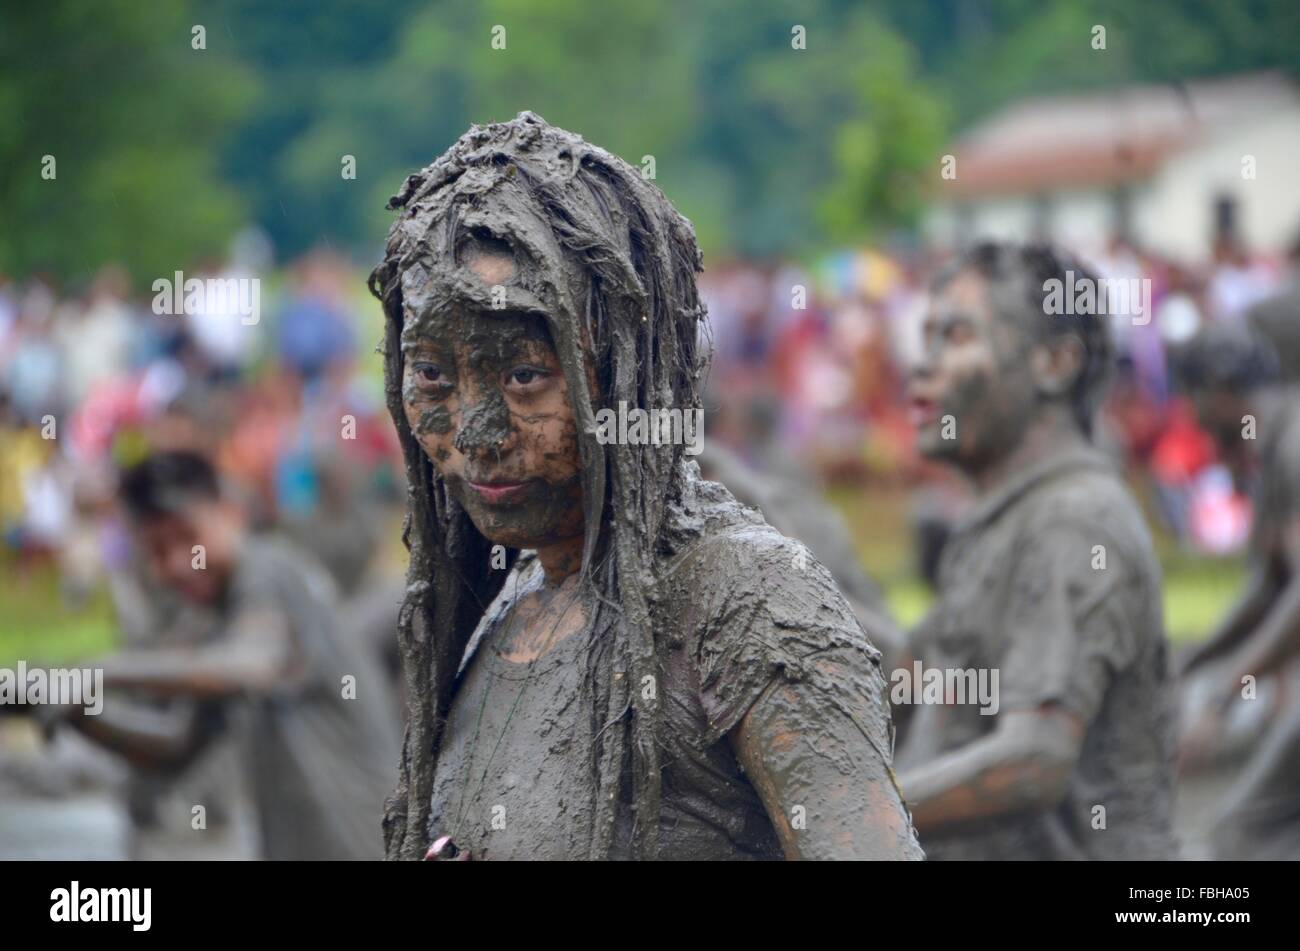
(499, 493)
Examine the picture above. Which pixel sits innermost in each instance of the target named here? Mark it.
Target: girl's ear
(1056, 363)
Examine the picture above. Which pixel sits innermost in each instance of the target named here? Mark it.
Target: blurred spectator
(315, 332)
(1236, 282)
(34, 371)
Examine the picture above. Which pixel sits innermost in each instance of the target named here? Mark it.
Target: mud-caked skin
(1019, 593)
(754, 641)
(1051, 583)
(1258, 816)
(486, 397)
(1244, 387)
(266, 663)
(657, 673)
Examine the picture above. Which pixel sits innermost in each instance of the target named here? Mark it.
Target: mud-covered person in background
(1277, 317)
(628, 663)
(310, 707)
(1254, 416)
(1051, 582)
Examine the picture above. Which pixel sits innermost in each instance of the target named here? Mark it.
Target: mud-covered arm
(825, 785)
(147, 736)
(1023, 765)
(1242, 618)
(254, 655)
(1276, 639)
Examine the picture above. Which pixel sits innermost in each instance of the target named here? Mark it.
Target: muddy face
(486, 398)
(973, 393)
(169, 545)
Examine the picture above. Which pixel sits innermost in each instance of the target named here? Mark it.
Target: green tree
(743, 127)
(981, 54)
(131, 114)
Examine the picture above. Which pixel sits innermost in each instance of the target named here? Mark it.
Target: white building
(1170, 167)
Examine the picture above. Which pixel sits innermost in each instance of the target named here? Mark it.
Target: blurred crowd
(807, 387)
(813, 360)
(92, 381)
(290, 410)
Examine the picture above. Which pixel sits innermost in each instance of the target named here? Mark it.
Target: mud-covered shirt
(1053, 583)
(737, 607)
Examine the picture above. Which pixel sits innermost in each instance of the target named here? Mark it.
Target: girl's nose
(484, 426)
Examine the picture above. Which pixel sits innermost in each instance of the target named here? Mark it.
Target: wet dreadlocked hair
(610, 266)
(1017, 276)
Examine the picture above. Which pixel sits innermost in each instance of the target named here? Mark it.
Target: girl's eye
(428, 376)
(524, 377)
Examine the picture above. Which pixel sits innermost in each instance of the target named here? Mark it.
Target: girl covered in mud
(606, 656)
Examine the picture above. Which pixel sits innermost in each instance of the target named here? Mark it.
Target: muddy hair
(1016, 275)
(609, 265)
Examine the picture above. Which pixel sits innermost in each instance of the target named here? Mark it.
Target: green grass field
(38, 627)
